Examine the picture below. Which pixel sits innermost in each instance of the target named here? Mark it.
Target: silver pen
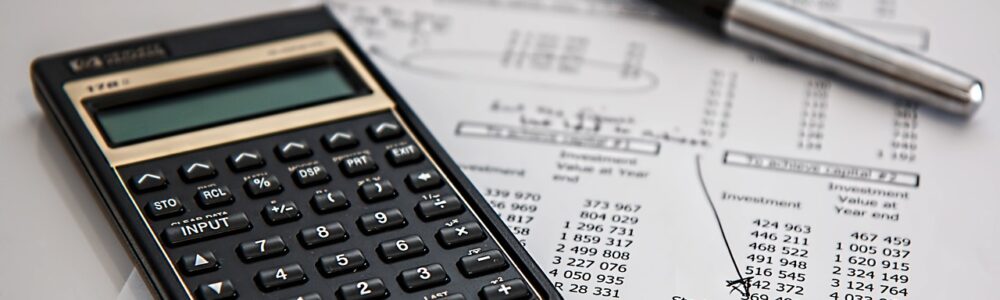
(832, 47)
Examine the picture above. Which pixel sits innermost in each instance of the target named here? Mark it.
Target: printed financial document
(640, 158)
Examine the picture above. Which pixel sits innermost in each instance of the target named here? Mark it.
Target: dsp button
(423, 277)
(245, 161)
(160, 209)
(219, 290)
(370, 289)
(293, 150)
(422, 181)
(310, 175)
(260, 249)
(377, 191)
(401, 248)
(280, 277)
(148, 181)
(339, 141)
(198, 263)
(214, 195)
(507, 290)
(433, 209)
(482, 263)
(260, 186)
(278, 212)
(197, 171)
(460, 235)
(403, 155)
(349, 261)
(384, 131)
(206, 229)
(330, 202)
(358, 165)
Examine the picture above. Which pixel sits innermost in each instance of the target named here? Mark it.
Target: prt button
(149, 181)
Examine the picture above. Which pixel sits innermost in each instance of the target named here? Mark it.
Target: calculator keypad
(356, 217)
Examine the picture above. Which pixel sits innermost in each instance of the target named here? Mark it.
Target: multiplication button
(460, 235)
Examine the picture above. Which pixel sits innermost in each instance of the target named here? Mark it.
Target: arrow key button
(245, 161)
(197, 171)
(148, 181)
(198, 263)
(422, 181)
(220, 290)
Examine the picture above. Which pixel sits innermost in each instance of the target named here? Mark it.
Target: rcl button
(164, 208)
(214, 195)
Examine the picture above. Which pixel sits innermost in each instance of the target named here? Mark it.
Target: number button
(197, 171)
(219, 290)
(423, 278)
(148, 182)
(381, 221)
(403, 155)
(339, 141)
(482, 263)
(363, 290)
(245, 161)
(310, 175)
(160, 209)
(342, 263)
(384, 131)
(330, 202)
(377, 191)
(278, 212)
(213, 195)
(402, 248)
(293, 150)
(280, 277)
(507, 290)
(460, 235)
(358, 165)
(260, 186)
(264, 248)
(322, 235)
(434, 209)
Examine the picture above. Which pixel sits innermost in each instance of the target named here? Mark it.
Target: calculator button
(384, 131)
(280, 277)
(357, 165)
(422, 181)
(197, 263)
(160, 209)
(381, 221)
(261, 186)
(342, 263)
(401, 248)
(322, 235)
(245, 161)
(482, 263)
(339, 141)
(219, 290)
(453, 297)
(148, 181)
(330, 202)
(310, 175)
(278, 212)
(197, 171)
(460, 235)
(206, 229)
(434, 209)
(370, 289)
(293, 150)
(263, 248)
(402, 155)
(313, 296)
(507, 290)
(214, 195)
(423, 277)
(377, 191)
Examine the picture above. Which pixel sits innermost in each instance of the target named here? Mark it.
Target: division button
(482, 263)
(219, 290)
(197, 171)
(381, 221)
(322, 235)
(214, 195)
(349, 261)
(403, 155)
(371, 289)
(507, 290)
(310, 175)
(460, 235)
(160, 209)
(358, 165)
(245, 161)
(330, 202)
(401, 248)
(384, 131)
(434, 209)
(293, 150)
(280, 277)
(377, 191)
(261, 186)
(312, 296)
(206, 229)
(263, 248)
(148, 181)
(198, 263)
(423, 277)
(339, 141)
(422, 181)
(278, 212)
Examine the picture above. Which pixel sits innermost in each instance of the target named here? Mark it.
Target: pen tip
(976, 97)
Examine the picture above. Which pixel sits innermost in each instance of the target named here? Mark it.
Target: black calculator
(267, 158)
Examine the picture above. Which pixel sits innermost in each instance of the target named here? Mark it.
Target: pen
(829, 46)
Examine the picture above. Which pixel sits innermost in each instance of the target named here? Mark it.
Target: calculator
(267, 158)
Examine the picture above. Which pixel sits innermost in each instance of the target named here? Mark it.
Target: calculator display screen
(181, 112)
